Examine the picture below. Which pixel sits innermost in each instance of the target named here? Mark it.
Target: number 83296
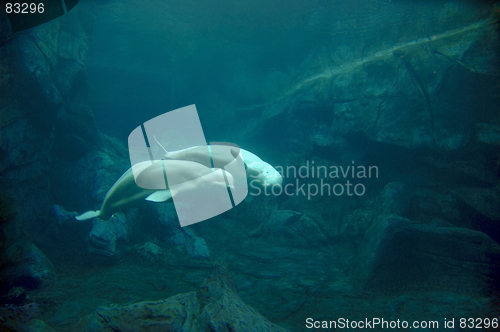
(24, 8)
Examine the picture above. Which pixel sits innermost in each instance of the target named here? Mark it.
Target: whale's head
(264, 174)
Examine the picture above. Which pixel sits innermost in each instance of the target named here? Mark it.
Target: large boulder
(215, 307)
(223, 310)
(102, 244)
(33, 270)
(177, 313)
(399, 255)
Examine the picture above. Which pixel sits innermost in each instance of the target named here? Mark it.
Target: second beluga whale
(258, 171)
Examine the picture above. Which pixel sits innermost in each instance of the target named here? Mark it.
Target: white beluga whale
(258, 171)
(146, 181)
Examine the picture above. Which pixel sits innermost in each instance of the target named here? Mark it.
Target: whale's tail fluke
(88, 215)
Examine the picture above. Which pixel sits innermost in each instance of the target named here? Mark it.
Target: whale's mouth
(270, 185)
(275, 180)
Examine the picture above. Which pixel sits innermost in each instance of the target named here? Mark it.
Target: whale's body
(193, 167)
(149, 184)
(257, 170)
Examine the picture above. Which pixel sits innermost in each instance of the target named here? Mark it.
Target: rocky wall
(45, 127)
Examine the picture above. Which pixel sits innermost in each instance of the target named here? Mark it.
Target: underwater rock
(35, 325)
(64, 231)
(485, 201)
(39, 56)
(34, 270)
(223, 309)
(76, 131)
(426, 205)
(21, 313)
(194, 245)
(63, 216)
(168, 216)
(354, 224)
(200, 249)
(151, 249)
(412, 93)
(291, 228)
(469, 172)
(393, 199)
(323, 137)
(22, 318)
(399, 255)
(91, 176)
(215, 307)
(176, 313)
(99, 162)
(487, 133)
(5, 31)
(151, 252)
(472, 207)
(53, 53)
(41, 68)
(15, 295)
(85, 181)
(103, 237)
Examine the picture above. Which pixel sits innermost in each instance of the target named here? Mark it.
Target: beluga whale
(258, 171)
(146, 181)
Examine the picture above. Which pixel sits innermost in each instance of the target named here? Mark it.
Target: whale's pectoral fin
(88, 215)
(159, 196)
